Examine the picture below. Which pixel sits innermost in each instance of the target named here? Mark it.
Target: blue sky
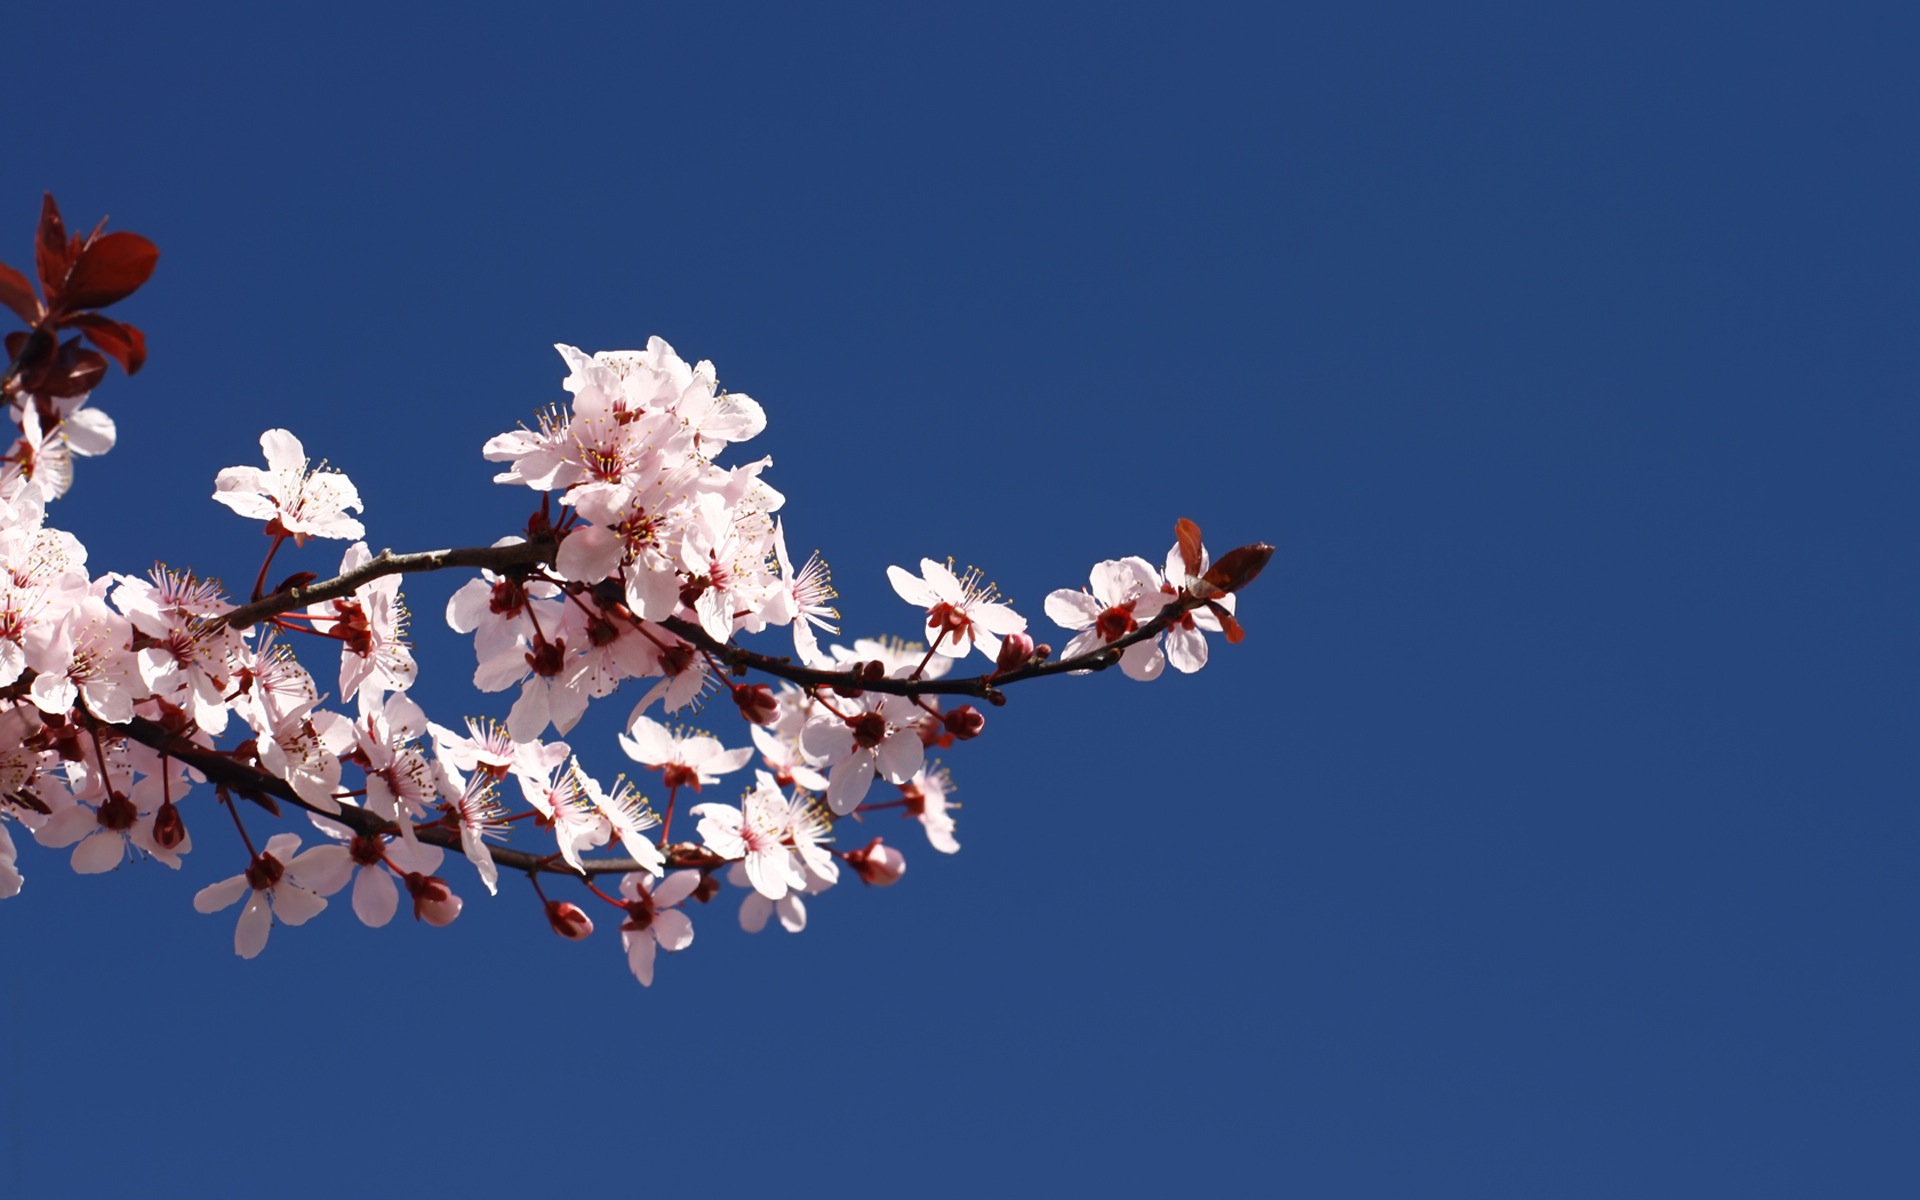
(1552, 834)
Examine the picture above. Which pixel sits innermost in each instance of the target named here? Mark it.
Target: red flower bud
(168, 829)
(965, 722)
(568, 920)
(878, 864)
(757, 704)
(433, 901)
(1015, 652)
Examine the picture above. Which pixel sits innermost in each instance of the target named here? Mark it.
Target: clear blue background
(1553, 832)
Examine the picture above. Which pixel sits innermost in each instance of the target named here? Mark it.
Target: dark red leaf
(1188, 535)
(109, 270)
(125, 344)
(17, 294)
(1228, 626)
(1237, 568)
(298, 579)
(75, 371)
(51, 254)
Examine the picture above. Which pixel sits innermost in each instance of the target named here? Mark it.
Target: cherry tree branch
(500, 558)
(263, 789)
(541, 553)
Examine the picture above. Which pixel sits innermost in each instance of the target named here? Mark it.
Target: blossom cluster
(129, 705)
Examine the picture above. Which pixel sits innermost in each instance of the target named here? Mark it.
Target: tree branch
(256, 785)
(541, 553)
(514, 554)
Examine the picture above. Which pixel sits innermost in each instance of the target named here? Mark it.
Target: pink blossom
(1125, 595)
(654, 921)
(962, 612)
(877, 735)
(274, 886)
(290, 497)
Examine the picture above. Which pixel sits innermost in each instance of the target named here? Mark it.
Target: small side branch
(541, 554)
(517, 554)
(256, 785)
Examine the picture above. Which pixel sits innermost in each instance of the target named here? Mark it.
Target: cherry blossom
(369, 625)
(1125, 595)
(647, 561)
(654, 920)
(684, 758)
(373, 862)
(274, 886)
(625, 812)
(925, 799)
(294, 499)
(962, 611)
(110, 817)
(802, 599)
(862, 739)
(756, 909)
(756, 833)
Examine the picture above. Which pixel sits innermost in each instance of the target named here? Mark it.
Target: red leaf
(109, 269)
(125, 344)
(1228, 626)
(1188, 535)
(1237, 568)
(72, 371)
(17, 294)
(51, 254)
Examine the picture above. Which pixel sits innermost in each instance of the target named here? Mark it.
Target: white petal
(673, 929)
(1142, 660)
(589, 555)
(98, 852)
(941, 580)
(754, 911)
(325, 869)
(640, 948)
(375, 899)
(1071, 609)
(67, 826)
(793, 914)
(256, 921)
(675, 888)
(912, 588)
(648, 743)
(1186, 649)
(295, 905)
(901, 755)
(848, 783)
(216, 896)
(284, 452)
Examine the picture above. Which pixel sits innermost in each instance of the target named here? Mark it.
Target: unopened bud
(168, 829)
(757, 704)
(433, 901)
(707, 888)
(568, 920)
(878, 864)
(1015, 652)
(965, 722)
